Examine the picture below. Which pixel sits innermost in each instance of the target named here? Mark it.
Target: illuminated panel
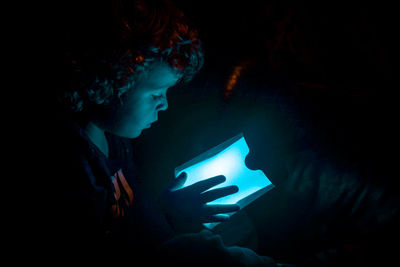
(228, 159)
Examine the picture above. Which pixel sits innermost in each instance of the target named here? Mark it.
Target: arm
(205, 248)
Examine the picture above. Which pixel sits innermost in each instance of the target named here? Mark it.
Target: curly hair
(106, 48)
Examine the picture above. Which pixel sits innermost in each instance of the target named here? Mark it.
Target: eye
(155, 96)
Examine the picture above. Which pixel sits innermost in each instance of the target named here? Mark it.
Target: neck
(97, 136)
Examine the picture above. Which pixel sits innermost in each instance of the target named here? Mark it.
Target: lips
(149, 125)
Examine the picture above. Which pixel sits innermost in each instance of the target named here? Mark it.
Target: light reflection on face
(140, 106)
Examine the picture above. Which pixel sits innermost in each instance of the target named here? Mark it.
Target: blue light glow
(228, 159)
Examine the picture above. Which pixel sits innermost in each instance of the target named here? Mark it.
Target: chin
(129, 134)
(135, 135)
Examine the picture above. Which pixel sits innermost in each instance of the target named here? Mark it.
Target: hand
(193, 249)
(187, 207)
(206, 248)
(242, 256)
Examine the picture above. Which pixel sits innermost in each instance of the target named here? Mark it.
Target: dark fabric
(326, 213)
(95, 204)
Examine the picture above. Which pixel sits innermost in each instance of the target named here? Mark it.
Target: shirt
(96, 202)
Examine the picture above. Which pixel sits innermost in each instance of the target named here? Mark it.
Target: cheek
(137, 111)
(141, 111)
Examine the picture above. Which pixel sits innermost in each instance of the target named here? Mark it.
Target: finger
(206, 233)
(178, 182)
(220, 208)
(211, 238)
(216, 218)
(206, 184)
(218, 193)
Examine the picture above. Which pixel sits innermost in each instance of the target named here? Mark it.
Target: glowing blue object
(227, 159)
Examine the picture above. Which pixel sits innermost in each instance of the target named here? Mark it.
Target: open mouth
(149, 124)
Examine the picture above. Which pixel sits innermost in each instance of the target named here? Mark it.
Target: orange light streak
(234, 77)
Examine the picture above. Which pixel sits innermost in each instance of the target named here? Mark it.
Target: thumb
(178, 182)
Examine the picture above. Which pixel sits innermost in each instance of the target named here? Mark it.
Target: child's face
(141, 105)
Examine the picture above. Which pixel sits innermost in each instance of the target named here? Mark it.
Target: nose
(163, 105)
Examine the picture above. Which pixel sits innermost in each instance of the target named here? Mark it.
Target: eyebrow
(161, 87)
(172, 84)
(165, 86)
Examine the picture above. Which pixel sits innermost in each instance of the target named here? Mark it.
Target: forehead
(159, 76)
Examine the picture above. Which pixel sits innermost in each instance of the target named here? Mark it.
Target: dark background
(316, 75)
(326, 68)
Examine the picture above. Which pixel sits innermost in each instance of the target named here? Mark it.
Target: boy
(118, 63)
